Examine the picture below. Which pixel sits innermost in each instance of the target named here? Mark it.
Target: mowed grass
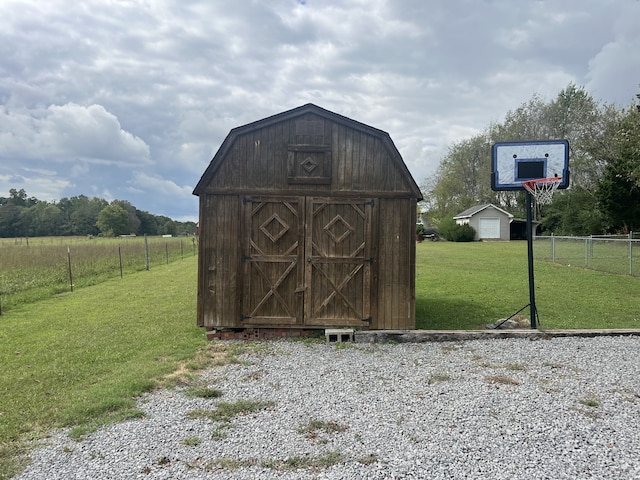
(469, 285)
(79, 359)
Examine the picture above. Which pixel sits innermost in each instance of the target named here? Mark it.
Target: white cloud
(69, 132)
(98, 92)
(48, 187)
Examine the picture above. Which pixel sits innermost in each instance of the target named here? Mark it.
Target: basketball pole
(532, 292)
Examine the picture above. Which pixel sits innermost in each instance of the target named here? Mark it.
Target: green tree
(42, 220)
(18, 197)
(148, 223)
(170, 228)
(113, 220)
(619, 190)
(11, 221)
(574, 212)
(81, 214)
(462, 179)
(132, 213)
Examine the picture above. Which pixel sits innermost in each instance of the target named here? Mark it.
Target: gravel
(516, 408)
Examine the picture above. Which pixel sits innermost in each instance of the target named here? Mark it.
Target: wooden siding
(219, 257)
(396, 265)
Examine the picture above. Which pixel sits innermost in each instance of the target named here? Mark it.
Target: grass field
(36, 268)
(468, 285)
(79, 359)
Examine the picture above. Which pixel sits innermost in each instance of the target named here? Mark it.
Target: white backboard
(516, 162)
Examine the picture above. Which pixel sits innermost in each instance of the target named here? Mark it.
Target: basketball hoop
(542, 189)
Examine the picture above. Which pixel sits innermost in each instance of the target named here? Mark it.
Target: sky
(130, 99)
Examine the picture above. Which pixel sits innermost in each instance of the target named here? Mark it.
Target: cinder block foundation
(339, 335)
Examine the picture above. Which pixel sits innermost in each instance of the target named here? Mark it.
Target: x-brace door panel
(272, 256)
(338, 261)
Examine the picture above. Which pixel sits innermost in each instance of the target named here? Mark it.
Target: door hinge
(244, 317)
(370, 202)
(246, 200)
(246, 257)
(368, 260)
(368, 320)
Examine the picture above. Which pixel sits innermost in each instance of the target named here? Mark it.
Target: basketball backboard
(513, 163)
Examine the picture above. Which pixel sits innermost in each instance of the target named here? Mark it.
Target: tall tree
(619, 190)
(114, 220)
(134, 221)
(11, 222)
(462, 179)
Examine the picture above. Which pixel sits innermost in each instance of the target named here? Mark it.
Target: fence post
(166, 251)
(146, 252)
(70, 272)
(630, 256)
(553, 248)
(586, 252)
(120, 258)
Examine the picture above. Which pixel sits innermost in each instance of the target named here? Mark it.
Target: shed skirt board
(489, 228)
(306, 261)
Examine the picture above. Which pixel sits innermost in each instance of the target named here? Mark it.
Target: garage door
(489, 228)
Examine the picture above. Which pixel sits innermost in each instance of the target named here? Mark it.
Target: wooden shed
(307, 220)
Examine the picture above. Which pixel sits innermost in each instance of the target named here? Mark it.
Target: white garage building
(489, 222)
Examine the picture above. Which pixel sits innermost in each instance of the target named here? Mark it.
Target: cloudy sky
(130, 99)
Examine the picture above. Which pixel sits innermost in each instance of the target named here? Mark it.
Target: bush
(453, 232)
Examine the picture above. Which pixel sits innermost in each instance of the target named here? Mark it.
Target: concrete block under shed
(339, 335)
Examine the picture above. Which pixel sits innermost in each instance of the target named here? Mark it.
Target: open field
(79, 359)
(35, 268)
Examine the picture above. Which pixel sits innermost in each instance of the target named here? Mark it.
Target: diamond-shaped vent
(274, 227)
(338, 229)
(309, 164)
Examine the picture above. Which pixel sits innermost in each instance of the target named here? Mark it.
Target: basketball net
(543, 189)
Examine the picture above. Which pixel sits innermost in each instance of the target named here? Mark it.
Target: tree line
(24, 216)
(604, 159)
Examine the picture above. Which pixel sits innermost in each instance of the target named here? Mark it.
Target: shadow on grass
(442, 313)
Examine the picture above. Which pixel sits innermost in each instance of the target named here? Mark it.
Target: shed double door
(307, 261)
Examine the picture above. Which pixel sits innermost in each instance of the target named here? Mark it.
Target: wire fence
(31, 269)
(618, 254)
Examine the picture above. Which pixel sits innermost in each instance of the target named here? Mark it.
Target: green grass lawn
(468, 285)
(80, 359)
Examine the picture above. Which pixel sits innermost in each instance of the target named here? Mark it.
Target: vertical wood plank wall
(395, 294)
(218, 288)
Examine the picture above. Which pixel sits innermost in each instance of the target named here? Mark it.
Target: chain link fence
(607, 253)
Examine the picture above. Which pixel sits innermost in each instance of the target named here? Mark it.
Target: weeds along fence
(614, 254)
(35, 268)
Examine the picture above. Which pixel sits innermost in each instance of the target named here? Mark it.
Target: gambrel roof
(234, 137)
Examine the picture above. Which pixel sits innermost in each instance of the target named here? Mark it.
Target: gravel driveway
(516, 408)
